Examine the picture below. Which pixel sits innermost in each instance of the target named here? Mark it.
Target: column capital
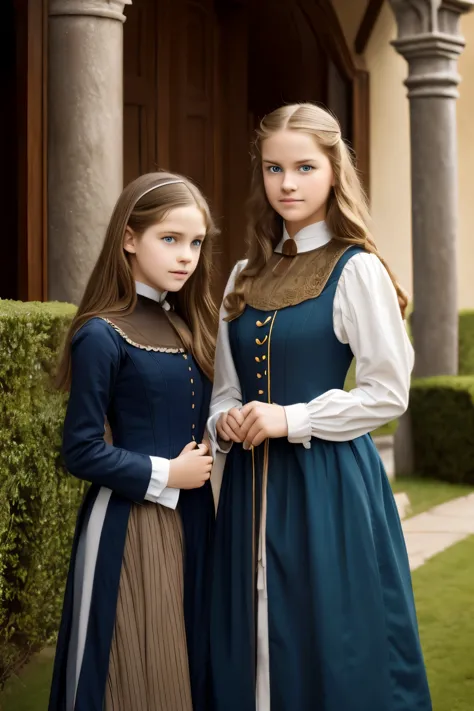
(430, 40)
(111, 9)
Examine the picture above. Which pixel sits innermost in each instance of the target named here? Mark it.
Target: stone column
(85, 129)
(430, 41)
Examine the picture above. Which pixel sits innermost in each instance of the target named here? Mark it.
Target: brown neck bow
(290, 248)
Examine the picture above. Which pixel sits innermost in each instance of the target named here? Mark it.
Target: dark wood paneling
(31, 88)
(204, 71)
(237, 124)
(361, 139)
(140, 89)
(8, 168)
(192, 92)
(339, 99)
(322, 17)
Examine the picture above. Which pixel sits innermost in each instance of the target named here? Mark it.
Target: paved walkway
(435, 530)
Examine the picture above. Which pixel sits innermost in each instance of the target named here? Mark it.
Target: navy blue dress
(156, 403)
(342, 629)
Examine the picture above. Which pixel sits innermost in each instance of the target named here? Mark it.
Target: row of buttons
(260, 343)
(193, 394)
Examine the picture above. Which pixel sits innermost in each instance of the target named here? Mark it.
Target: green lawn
(444, 594)
(30, 691)
(444, 591)
(426, 493)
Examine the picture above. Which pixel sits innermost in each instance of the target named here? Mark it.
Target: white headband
(155, 187)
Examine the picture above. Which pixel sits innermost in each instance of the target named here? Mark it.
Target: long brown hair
(111, 286)
(347, 213)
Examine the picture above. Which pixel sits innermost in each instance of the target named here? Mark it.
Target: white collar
(308, 238)
(153, 294)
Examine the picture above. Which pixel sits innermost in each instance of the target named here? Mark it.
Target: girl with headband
(139, 354)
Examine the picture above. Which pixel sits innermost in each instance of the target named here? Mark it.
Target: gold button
(194, 427)
(260, 392)
(259, 375)
(185, 357)
(260, 324)
(192, 381)
(192, 393)
(257, 359)
(261, 343)
(193, 406)
(264, 357)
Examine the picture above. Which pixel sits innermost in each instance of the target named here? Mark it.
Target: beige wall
(390, 154)
(390, 148)
(390, 145)
(390, 139)
(465, 116)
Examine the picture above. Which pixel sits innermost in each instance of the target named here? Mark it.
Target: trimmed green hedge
(466, 360)
(391, 427)
(466, 342)
(442, 416)
(38, 504)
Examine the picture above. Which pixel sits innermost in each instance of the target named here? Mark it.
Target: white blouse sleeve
(226, 392)
(158, 491)
(366, 315)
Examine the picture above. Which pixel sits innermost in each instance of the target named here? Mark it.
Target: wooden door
(204, 69)
(9, 167)
(23, 178)
(195, 122)
(234, 20)
(173, 116)
(171, 112)
(140, 89)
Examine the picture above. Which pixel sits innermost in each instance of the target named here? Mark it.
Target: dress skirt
(148, 667)
(336, 624)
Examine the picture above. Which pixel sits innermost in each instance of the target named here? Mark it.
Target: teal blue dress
(342, 628)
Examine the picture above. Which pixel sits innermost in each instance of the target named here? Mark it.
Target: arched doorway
(289, 62)
(275, 53)
(199, 74)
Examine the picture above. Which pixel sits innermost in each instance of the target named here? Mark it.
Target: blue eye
(197, 242)
(306, 168)
(274, 169)
(168, 239)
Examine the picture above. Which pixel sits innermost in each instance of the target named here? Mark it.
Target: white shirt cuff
(299, 424)
(158, 492)
(169, 498)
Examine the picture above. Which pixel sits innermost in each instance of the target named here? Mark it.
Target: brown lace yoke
(151, 328)
(288, 281)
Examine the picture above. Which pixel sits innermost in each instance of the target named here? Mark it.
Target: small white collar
(308, 238)
(153, 294)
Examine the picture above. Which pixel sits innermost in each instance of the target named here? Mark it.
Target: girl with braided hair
(312, 605)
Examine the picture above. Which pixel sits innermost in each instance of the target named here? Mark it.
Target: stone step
(403, 504)
(385, 446)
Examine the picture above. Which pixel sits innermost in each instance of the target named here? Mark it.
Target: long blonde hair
(347, 214)
(111, 286)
